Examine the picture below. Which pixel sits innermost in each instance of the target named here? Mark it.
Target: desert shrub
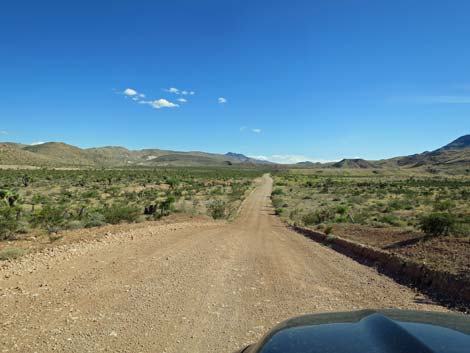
(355, 200)
(8, 222)
(444, 205)
(120, 212)
(340, 219)
(436, 224)
(328, 230)
(51, 218)
(11, 253)
(277, 191)
(217, 209)
(75, 224)
(94, 219)
(167, 205)
(318, 217)
(398, 204)
(360, 217)
(462, 228)
(341, 209)
(310, 218)
(90, 194)
(277, 202)
(330, 237)
(390, 219)
(294, 214)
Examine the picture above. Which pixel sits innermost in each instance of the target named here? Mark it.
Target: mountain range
(455, 155)
(59, 154)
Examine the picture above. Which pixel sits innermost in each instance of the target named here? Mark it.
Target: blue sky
(318, 80)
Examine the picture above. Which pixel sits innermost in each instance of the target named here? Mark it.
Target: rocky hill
(60, 154)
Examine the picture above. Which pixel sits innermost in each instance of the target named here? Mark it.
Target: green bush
(51, 218)
(277, 202)
(436, 224)
(167, 205)
(400, 205)
(444, 205)
(277, 191)
(75, 224)
(94, 219)
(217, 209)
(390, 219)
(120, 212)
(310, 219)
(8, 222)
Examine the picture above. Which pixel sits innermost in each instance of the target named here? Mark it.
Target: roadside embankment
(451, 289)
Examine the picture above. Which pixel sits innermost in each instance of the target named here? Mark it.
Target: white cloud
(3, 132)
(257, 131)
(37, 143)
(243, 128)
(222, 100)
(173, 90)
(130, 92)
(177, 91)
(163, 103)
(157, 103)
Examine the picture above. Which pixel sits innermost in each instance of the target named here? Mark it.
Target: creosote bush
(437, 224)
(120, 212)
(51, 218)
(217, 209)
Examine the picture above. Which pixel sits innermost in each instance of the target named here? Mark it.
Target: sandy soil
(191, 287)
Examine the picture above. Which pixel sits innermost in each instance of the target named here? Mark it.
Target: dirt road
(192, 288)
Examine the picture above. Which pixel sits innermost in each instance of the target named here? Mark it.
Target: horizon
(308, 81)
(278, 159)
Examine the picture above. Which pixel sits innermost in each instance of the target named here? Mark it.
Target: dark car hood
(371, 331)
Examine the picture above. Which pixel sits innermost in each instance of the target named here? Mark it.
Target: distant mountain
(453, 156)
(13, 154)
(60, 154)
(245, 159)
(354, 163)
(458, 144)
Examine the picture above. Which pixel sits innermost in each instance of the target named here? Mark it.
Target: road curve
(196, 289)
